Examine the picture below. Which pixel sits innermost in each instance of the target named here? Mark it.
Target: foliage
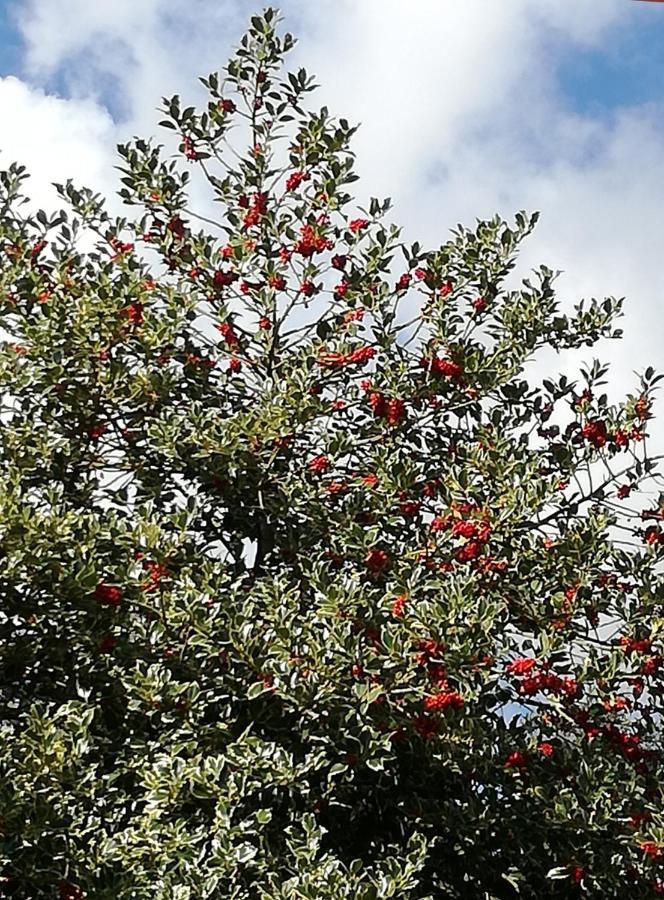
(307, 592)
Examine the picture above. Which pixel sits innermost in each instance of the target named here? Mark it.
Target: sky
(467, 108)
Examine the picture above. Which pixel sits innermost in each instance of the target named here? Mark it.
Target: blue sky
(627, 70)
(10, 42)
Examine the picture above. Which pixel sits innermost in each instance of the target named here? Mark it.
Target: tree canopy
(307, 590)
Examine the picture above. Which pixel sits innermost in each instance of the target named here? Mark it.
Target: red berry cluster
(392, 410)
(228, 333)
(311, 242)
(319, 464)
(295, 179)
(442, 367)
(256, 210)
(536, 678)
(377, 561)
(108, 594)
(359, 356)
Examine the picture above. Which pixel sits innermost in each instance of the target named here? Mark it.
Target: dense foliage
(306, 591)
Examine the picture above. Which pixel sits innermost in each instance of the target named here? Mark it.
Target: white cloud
(57, 31)
(54, 138)
(131, 52)
(584, 21)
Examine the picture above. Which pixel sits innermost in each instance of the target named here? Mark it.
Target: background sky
(468, 107)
